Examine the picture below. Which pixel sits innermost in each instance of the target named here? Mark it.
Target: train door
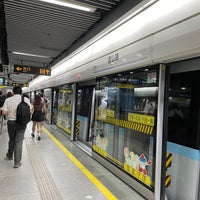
(84, 114)
(184, 130)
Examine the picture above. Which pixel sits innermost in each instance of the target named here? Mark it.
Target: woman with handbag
(37, 116)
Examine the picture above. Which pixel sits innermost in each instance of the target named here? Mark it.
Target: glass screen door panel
(83, 111)
(64, 116)
(125, 122)
(55, 105)
(47, 99)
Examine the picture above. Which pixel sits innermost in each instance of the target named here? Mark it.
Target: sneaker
(8, 157)
(32, 134)
(16, 165)
(39, 138)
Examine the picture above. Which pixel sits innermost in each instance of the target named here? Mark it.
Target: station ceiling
(50, 31)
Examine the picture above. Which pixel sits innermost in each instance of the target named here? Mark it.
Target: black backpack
(2, 100)
(23, 115)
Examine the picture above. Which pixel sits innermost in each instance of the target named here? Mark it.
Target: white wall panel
(178, 42)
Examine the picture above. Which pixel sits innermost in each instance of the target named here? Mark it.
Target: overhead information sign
(32, 70)
(20, 84)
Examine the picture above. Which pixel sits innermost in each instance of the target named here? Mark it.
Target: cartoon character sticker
(136, 162)
(143, 163)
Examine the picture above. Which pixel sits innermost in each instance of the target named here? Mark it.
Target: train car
(131, 96)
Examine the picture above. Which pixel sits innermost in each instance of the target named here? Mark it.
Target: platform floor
(56, 169)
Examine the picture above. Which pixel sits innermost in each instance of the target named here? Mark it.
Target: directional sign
(20, 84)
(32, 70)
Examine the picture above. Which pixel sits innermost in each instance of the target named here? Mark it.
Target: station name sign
(32, 70)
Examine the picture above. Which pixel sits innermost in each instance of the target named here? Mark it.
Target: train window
(125, 123)
(184, 107)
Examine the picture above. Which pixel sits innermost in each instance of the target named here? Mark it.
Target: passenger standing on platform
(42, 97)
(9, 94)
(37, 116)
(15, 130)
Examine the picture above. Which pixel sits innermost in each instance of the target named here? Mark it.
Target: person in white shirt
(15, 130)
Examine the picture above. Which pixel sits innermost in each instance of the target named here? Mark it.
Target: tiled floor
(50, 171)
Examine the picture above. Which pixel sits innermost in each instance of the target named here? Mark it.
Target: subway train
(130, 98)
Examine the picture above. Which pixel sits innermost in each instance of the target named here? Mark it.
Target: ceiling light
(72, 4)
(28, 54)
(183, 88)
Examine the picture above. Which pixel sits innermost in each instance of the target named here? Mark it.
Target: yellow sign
(44, 71)
(64, 90)
(137, 174)
(110, 113)
(21, 84)
(142, 119)
(32, 70)
(125, 86)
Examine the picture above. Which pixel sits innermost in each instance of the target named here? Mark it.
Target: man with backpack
(16, 128)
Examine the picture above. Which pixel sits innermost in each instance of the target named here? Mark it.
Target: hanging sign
(32, 70)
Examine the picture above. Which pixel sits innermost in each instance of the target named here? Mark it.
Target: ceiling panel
(41, 28)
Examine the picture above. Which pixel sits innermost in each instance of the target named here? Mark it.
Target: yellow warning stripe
(62, 127)
(115, 160)
(167, 181)
(128, 124)
(168, 160)
(85, 171)
(77, 127)
(77, 131)
(99, 150)
(168, 164)
(77, 123)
